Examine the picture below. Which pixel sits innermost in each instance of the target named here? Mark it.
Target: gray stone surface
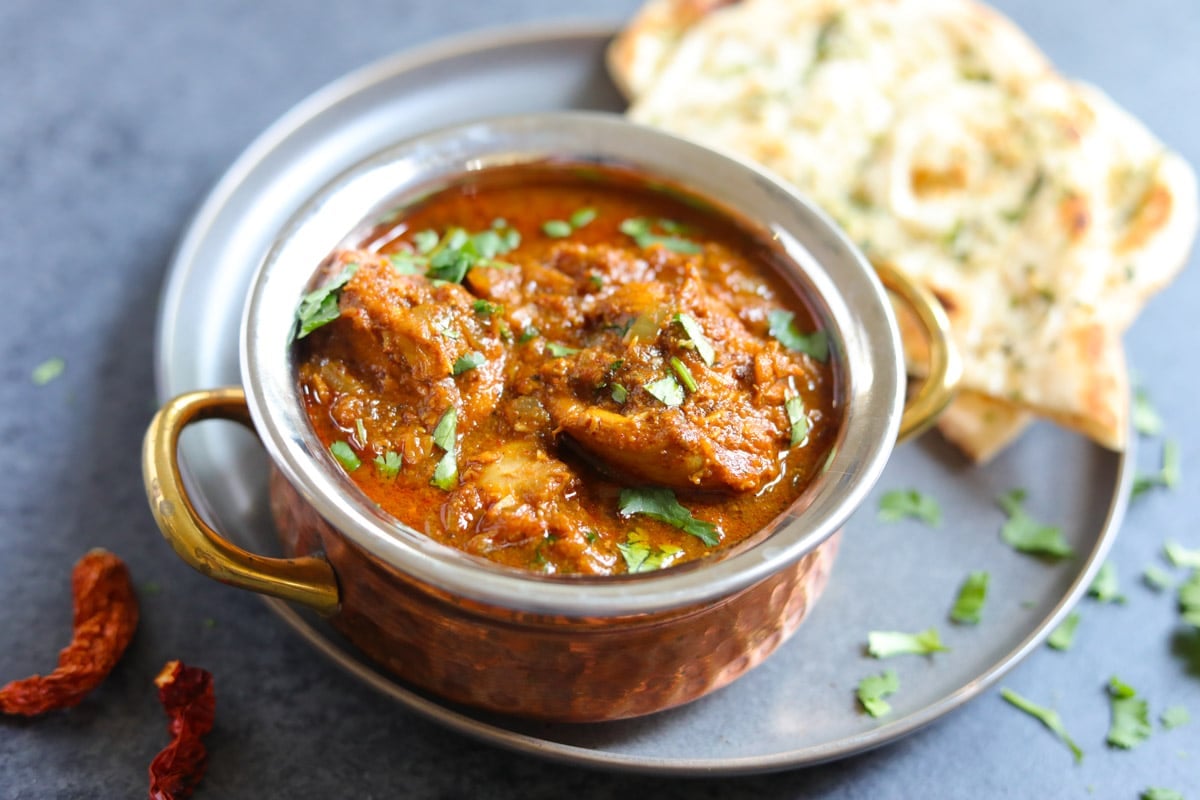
(115, 119)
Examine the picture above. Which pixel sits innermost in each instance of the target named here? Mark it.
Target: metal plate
(796, 709)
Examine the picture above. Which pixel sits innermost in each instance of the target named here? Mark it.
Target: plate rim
(183, 261)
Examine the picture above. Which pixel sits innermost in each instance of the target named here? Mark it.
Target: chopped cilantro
(1157, 579)
(407, 263)
(1129, 724)
(685, 374)
(1023, 533)
(485, 308)
(1174, 717)
(450, 265)
(782, 326)
(320, 306)
(640, 556)
(640, 229)
(1159, 793)
(1146, 420)
(797, 419)
(1167, 477)
(1105, 587)
(591, 536)
(1064, 635)
(528, 333)
(361, 430)
(445, 474)
(556, 228)
(885, 644)
(696, 338)
(560, 350)
(582, 217)
(660, 504)
(667, 390)
(467, 362)
(388, 465)
(47, 371)
(873, 688)
(154, 587)
(345, 455)
(1181, 556)
(619, 393)
(1189, 599)
(425, 241)
(971, 596)
(1047, 717)
(901, 503)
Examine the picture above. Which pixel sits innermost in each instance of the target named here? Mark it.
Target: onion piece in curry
(568, 372)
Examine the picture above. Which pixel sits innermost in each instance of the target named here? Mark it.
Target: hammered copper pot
(554, 647)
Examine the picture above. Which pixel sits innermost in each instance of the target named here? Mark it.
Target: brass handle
(309, 581)
(945, 367)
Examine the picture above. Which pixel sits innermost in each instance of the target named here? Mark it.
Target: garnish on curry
(565, 371)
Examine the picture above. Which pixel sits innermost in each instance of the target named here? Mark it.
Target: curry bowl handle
(309, 581)
(939, 386)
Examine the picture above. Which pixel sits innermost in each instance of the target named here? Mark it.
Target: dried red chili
(106, 615)
(187, 696)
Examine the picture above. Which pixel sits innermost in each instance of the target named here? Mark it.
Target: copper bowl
(561, 648)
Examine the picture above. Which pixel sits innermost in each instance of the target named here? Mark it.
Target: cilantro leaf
(1168, 475)
(640, 230)
(1146, 420)
(527, 334)
(696, 338)
(782, 326)
(450, 265)
(684, 374)
(445, 474)
(1064, 635)
(1157, 579)
(970, 600)
(47, 371)
(1104, 586)
(556, 228)
(1189, 599)
(408, 264)
(619, 393)
(885, 644)
(1174, 717)
(320, 306)
(667, 390)
(467, 362)
(873, 688)
(660, 504)
(797, 419)
(388, 465)
(1180, 556)
(1130, 722)
(1047, 717)
(582, 218)
(1159, 793)
(425, 241)
(641, 556)
(901, 503)
(1023, 533)
(560, 350)
(485, 308)
(345, 455)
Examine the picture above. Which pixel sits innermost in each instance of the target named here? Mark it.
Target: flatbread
(942, 140)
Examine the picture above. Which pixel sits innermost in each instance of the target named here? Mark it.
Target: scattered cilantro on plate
(971, 596)
(1064, 635)
(1174, 717)
(1129, 723)
(885, 644)
(47, 371)
(1104, 586)
(1024, 533)
(1047, 717)
(909, 503)
(874, 688)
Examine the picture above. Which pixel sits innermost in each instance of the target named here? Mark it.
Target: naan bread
(941, 139)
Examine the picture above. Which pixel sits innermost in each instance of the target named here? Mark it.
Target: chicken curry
(568, 370)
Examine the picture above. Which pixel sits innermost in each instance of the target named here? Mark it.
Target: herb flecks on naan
(942, 140)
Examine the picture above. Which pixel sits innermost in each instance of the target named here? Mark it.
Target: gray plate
(796, 709)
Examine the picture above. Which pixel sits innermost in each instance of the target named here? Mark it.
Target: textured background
(116, 118)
